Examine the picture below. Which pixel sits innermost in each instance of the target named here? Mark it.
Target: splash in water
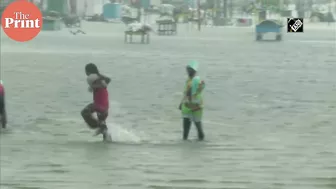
(120, 134)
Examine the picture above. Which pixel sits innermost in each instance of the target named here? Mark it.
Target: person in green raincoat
(191, 105)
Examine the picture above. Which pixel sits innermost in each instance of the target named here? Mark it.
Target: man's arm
(106, 79)
(200, 88)
(100, 83)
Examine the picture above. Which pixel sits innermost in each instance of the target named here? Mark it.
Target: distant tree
(210, 4)
(268, 2)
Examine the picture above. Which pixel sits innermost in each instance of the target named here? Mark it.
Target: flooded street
(269, 111)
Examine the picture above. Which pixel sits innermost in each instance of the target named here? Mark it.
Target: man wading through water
(192, 102)
(98, 86)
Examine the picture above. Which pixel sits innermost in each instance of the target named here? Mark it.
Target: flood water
(269, 111)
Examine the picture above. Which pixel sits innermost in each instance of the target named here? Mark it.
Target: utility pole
(73, 7)
(231, 9)
(225, 8)
(329, 12)
(138, 4)
(199, 14)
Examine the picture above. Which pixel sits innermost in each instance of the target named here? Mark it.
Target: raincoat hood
(193, 65)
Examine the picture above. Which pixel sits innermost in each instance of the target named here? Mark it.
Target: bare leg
(186, 128)
(199, 130)
(3, 116)
(4, 119)
(102, 116)
(88, 118)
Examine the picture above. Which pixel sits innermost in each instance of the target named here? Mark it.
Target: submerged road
(269, 117)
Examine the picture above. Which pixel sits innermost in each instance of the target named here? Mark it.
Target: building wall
(155, 2)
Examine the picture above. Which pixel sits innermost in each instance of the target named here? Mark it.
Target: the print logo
(22, 20)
